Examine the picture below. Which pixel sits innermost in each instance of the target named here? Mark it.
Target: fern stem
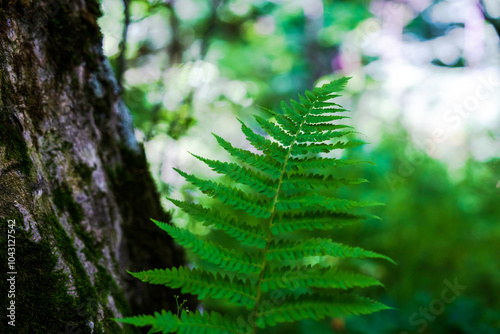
(271, 219)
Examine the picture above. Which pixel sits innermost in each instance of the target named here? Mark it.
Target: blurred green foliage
(437, 228)
(191, 61)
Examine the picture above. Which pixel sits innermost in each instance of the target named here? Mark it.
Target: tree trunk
(75, 190)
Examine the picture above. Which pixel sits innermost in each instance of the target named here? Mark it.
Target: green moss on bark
(11, 137)
(24, 96)
(83, 286)
(64, 201)
(85, 172)
(89, 295)
(43, 304)
(105, 282)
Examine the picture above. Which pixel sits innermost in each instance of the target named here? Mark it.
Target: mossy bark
(72, 178)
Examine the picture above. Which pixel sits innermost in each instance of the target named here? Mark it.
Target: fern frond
(312, 202)
(230, 260)
(308, 220)
(321, 127)
(293, 278)
(301, 108)
(202, 283)
(284, 121)
(319, 163)
(322, 107)
(317, 307)
(188, 323)
(242, 175)
(268, 147)
(310, 95)
(275, 131)
(314, 119)
(317, 181)
(293, 115)
(322, 136)
(294, 250)
(262, 162)
(246, 234)
(229, 195)
(276, 194)
(303, 149)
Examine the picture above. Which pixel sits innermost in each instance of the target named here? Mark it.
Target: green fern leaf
(294, 250)
(293, 115)
(230, 196)
(246, 234)
(316, 181)
(202, 283)
(275, 131)
(326, 220)
(324, 148)
(276, 199)
(320, 127)
(268, 147)
(301, 108)
(188, 323)
(314, 119)
(317, 307)
(308, 202)
(319, 163)
(320, 137)
(310, 95)
(242, 175)
(293, 278)
(230, 260)
(261, 162)
(284, 121)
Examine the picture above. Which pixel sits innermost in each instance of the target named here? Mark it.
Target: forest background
(425, 90)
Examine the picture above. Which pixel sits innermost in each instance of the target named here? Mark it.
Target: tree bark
(75, 189)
